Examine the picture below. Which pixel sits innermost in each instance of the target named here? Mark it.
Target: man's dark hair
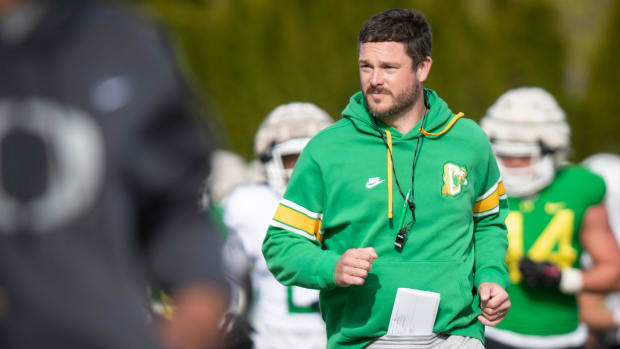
(400, 25)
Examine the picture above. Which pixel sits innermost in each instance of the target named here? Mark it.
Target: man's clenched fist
(494, 303)
(354, 265)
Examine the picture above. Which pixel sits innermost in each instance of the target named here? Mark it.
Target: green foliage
(596, 123)
(249, 56)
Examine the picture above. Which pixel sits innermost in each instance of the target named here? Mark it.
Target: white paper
(414, 312)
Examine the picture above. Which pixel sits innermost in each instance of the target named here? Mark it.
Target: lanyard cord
(409, 198)
(410, 202)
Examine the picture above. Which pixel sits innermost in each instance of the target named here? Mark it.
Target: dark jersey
(100, 166)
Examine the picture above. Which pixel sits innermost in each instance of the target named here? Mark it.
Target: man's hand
(354, 265)
(195, 322)
(494, 303)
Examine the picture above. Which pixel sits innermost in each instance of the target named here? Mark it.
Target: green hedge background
(247, 56)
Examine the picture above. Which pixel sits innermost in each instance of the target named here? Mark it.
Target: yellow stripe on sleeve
(487, 203)
(500, 188)
(298, 220)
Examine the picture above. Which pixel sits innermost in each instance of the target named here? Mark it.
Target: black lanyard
(402, 233)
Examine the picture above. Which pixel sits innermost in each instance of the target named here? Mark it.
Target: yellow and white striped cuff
(299, 220)
(488, 203)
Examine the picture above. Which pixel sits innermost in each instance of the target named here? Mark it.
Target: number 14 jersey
(546, 228)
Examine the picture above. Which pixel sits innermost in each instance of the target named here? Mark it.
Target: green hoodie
(341, 195)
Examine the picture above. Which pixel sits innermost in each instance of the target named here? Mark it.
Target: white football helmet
(528, 122)
(608, 166)
(286, 131)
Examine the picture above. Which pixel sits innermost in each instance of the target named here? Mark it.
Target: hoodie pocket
(368, 307)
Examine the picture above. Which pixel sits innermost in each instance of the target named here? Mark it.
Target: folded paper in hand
(414, 312)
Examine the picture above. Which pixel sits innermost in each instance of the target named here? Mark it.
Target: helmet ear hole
(544, 149)
(267, 155)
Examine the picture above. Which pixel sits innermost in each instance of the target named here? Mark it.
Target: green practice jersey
(546, 228)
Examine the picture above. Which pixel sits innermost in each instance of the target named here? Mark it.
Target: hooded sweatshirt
(343, 194)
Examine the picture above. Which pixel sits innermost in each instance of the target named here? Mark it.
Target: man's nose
(376, 78)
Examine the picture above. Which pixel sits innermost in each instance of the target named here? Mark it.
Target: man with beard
(353, 225)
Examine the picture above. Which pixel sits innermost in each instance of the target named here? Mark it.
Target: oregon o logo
(51, 164)
(454, 178)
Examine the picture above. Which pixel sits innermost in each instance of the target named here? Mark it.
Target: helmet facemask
(525, 180)
(278, 174)
(284, 133)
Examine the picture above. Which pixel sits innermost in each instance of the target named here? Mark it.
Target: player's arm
(237, 251)
(292, 247)
(490, 234)
(491, 243)
(598, 239)
(594, 313)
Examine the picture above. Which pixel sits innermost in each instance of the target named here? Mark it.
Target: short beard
(403, 101)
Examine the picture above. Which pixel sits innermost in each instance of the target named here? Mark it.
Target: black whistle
(400, 238)
(411, 208)
(411, 204)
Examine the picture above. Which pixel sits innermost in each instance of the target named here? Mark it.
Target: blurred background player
(556, 210)
(602, 312)
(228, 171)
(282, 317)
(101, 161)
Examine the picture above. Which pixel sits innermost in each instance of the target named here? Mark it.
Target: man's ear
(424, 68)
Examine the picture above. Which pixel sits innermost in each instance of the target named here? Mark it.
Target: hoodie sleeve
(490, 233)
(292, 247)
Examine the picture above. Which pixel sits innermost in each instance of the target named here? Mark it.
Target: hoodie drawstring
(445, 129)
(390, 165)
(389, 172)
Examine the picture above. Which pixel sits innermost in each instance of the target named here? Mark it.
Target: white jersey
(283, 317)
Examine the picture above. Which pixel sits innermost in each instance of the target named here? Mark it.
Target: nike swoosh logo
(370, 185)
(553, 207)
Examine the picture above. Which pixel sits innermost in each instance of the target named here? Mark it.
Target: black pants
(607, 340)
(491, 344)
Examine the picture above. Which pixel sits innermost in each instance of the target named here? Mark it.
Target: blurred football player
(101, 160)
(229, 170)
(282, 317)
(556, 211)
(602, 312)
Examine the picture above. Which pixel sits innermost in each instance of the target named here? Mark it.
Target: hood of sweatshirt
(438, 120)
(439, 117)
